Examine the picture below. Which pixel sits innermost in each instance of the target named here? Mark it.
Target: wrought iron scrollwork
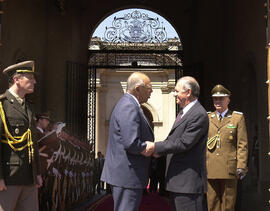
(135, 27)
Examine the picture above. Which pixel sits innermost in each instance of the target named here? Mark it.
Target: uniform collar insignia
(213, 115)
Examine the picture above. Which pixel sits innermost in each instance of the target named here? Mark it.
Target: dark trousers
(126, 199)
(187, 202)
(153, 184)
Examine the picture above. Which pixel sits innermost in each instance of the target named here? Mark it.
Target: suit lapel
(215, 120)
(15, 104)
(186, 115)
(145, 119)
(140, 111)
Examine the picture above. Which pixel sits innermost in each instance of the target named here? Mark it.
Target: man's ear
(15, 79)
(189, 92)
(137, 88)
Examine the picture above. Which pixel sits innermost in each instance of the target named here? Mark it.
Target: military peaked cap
(22, 67)
(220, 91)
(43, 116)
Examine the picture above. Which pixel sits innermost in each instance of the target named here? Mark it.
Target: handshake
(241, 173)
(149, 150)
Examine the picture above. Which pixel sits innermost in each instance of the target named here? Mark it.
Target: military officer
(227, 152)
(42, 122)
(19, 161)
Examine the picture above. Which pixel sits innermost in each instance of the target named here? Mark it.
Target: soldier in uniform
(42, 123)
(227, 152)
(19, 161)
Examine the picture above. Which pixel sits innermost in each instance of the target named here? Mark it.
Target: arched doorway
(133, 41)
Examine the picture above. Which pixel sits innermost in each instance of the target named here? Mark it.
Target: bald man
(126, 163)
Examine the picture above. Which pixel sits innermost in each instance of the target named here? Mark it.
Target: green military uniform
(19, 160)
(227, 151)
(18, 167)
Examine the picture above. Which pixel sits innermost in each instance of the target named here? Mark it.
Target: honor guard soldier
(19, 161)
(227, 152)
(42, 123)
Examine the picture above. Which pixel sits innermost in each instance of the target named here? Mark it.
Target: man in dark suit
(19, 161)
(185, 146)
(126, 165)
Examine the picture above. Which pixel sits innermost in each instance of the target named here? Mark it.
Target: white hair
(189, 82)
(134, 80)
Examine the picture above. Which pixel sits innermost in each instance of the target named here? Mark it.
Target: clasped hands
(149, 150)
(241, 173)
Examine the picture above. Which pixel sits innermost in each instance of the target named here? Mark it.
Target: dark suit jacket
(185, 146)
(124, 165)
(14, 165)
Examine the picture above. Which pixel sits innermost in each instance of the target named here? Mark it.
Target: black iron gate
(139, 60)
(76, 101)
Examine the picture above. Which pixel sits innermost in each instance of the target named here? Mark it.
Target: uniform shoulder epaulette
(211, 114)
(2, 96)
(237, 112)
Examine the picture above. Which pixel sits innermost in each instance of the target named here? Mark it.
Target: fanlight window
(135, 26)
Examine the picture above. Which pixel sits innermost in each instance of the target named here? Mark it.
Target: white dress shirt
(187, 107)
